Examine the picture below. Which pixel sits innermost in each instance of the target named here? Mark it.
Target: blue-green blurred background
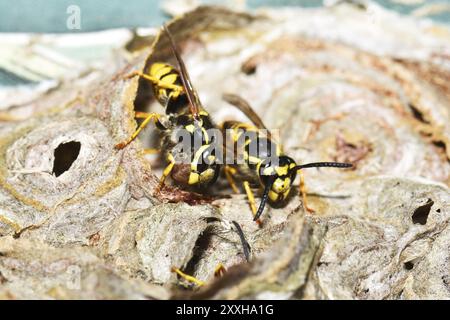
(51, 16)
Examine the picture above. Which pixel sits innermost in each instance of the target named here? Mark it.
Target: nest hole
(417, 113)
(201, 245)
(249, 67)
(420, 215)
(65, 155)
(408, 265)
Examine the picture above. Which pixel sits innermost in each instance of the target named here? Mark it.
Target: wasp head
(278, 174)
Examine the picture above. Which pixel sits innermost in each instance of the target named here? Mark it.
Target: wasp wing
(247, 110)
(190, 92)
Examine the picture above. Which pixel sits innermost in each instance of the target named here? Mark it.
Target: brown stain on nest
(349, 149)
(174, 194)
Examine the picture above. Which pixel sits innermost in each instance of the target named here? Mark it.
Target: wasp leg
(250, 196)
(302, 189)
(251, 200)
(229, 173)
(165, 173)
(151, 151)
(220, 270)
(155, 81)
(148, 117)
(141, 115)
(188, 277)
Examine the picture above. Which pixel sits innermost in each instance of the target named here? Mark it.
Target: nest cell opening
(420, 215)
(65, 155)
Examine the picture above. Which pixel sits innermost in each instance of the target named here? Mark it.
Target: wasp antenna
(324, 164)
(264, 198)
(245, 245)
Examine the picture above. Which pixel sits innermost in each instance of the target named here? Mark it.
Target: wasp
(264, 163)
(199, 166)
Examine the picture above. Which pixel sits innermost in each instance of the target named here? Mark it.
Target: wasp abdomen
(168, 89)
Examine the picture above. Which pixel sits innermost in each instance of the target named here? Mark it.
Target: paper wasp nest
(79, 218)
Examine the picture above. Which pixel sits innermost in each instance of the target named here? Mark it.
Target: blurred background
(50, 15)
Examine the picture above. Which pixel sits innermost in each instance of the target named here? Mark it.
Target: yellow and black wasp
(264, 163)
(198, 166)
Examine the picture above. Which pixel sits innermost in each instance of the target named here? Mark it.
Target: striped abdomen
(251, 147)
(169, 92)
